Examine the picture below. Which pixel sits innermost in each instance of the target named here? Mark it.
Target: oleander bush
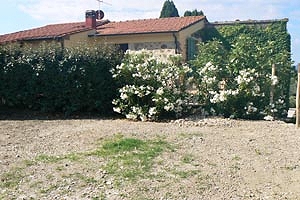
(151, 87)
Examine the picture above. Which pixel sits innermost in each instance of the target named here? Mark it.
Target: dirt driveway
(206, 159)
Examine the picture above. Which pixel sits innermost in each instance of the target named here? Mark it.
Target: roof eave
(137, 33)
(202, 19)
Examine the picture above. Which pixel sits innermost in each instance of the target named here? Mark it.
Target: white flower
(280, 101)
(222, 96)
(117, 110)
(143, 118)
(123, 96)
(187, 69)
(274, 80)
(246, 76)
(268, 118)
(115, 102)
(152, 111)
(179, 102)
(169, 107)
(131, 116)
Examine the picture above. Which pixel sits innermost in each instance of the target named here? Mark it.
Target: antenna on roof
(100, 13)
(101, 1)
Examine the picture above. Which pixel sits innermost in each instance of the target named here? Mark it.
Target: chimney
(90, 19)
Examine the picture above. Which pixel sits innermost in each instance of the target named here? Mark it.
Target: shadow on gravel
(21, 114)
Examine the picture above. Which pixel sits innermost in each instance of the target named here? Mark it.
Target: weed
(188, 158)
(212, 164)
(59, 168)
(12, 179)
(84, 178)
(48, 159)
(54, 159)
(186, 174)
(29, 163)
(237, 158)
(203, 183)
(49, 189)
(258, 152)
(36, 184)
(291, 167)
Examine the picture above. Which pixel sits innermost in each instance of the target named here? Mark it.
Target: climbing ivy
(234, 70)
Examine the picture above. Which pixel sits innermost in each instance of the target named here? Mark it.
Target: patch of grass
(48, 159)
(29, 163)
(129, 158)
(84, 178)
(186, 174)
(54, 159)
(36, 184)
(123, 145)
(49, 189)
(188, 158)
(12, 178)
(99, 197)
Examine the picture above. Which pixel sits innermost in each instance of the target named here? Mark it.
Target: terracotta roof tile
(55, 31)
(173, 24)
(46, 32)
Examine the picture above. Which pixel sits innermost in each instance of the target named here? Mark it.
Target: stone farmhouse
(165, 35)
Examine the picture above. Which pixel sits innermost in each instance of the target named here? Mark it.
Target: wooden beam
(272, 86)
(298, 100)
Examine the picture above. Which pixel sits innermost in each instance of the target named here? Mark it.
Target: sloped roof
(161, 25)
(53, 31)
(56, 31)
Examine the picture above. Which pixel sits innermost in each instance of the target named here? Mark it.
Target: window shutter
(191, 48)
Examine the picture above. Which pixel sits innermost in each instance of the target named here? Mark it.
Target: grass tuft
(130, 158)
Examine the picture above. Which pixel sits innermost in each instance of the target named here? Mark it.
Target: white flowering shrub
(151, 87)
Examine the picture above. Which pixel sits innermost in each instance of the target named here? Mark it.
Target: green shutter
(191, 48)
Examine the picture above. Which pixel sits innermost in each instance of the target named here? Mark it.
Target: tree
(169, 10)
(194, 13)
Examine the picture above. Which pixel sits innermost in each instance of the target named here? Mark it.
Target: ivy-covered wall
(241, 56)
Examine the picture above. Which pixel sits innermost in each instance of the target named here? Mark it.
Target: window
(123, 47)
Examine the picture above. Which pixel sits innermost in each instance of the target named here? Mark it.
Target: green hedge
(54, 80)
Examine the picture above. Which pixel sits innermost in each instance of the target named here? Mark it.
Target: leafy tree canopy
(194, 13)
(169, 10)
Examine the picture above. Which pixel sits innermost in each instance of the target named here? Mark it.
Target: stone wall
(166, 48)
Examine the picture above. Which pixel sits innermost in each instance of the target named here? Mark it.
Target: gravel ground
(211, 159)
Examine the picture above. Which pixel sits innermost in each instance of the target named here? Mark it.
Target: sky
(18, 15)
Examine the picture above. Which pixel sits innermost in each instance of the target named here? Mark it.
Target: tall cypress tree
(169, 10)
